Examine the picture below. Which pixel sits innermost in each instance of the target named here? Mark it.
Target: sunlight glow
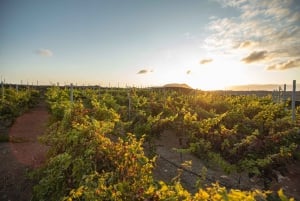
(218, 75)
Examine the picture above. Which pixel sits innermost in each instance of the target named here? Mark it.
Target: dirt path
(169, 160)
(22, 155)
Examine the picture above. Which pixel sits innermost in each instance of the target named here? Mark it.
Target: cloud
(143, 71)
(272, 25)
(205, 61)
(188, 72)
(231, 3)
(44, 52)
(285, 65)
(255, 56)
(246, 44)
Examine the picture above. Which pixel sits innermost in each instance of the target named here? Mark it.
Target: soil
(22, 154)
(169, 161)
(289, 182)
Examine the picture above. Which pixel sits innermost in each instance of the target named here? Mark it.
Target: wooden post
(293, 101)
(99, 90)
(279, 94)
(165, 98)
(129, 106)
(2, 86)
(71, 93)
(284, 93)
(274, 95)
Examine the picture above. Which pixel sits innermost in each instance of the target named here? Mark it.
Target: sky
(207, 44)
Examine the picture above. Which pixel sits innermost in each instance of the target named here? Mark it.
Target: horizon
(208, 45)
(250, 87)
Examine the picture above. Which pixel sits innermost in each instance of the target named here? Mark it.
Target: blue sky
(208, 44)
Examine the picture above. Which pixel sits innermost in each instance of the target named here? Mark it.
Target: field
(119, 144)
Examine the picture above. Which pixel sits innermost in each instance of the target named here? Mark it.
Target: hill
(177, 85)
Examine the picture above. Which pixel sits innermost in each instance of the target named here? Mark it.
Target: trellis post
(284, 93)
(99, 91)
(71, 93)
(293, 101)
(279, 94)
(2, 87)
(129, 105)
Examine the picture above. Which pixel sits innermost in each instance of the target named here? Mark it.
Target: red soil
(22, 154)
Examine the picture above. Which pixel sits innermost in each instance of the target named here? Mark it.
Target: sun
(217, 76)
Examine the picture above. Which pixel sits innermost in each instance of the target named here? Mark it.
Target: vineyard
(102, 143)
(13, 103)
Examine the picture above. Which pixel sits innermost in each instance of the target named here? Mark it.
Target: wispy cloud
(246, 44)
(255, 56)
(205, 61)
(231, 3)
(271, 25)
(145, 71)
(285, 65)
(44, 52)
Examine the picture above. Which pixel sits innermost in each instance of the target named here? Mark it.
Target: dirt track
(169, 160)
(22, 154)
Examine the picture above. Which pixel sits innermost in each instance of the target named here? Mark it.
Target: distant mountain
(261, 87)
(177, 85)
